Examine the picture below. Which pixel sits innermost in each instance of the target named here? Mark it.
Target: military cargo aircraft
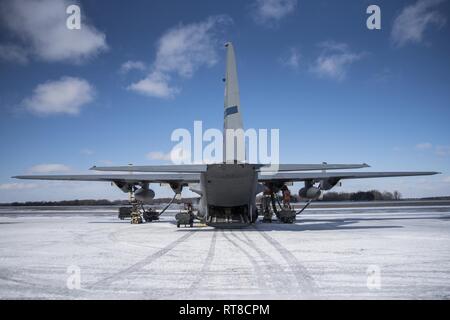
(228, 189)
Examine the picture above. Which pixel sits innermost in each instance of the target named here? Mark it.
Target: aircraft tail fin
(232, 107)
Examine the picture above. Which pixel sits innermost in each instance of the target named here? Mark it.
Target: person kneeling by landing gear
(265, 207)
(186, 218)
(286, 215)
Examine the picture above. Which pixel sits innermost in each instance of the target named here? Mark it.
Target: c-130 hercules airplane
(227, 190)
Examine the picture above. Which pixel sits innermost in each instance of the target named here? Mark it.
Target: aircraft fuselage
(229, 194)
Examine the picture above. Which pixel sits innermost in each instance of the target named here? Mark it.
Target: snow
(325, 254)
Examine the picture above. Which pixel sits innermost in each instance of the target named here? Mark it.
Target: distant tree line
(371, 195)
(436, 198)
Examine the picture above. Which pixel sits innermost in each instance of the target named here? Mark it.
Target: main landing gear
(270, 205)
(137, 211)
(136, 208)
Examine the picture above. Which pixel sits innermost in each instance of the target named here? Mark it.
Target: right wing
(318, 176)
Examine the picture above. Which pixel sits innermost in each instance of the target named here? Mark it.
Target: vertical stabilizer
(232, 107)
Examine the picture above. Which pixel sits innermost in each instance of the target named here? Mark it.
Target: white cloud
(424, 146)
(411, 24)
(292, 60)
(186, 48)
(270, 11)
(181, 51)
(40, 29)
(64, 96)
(334, 60)
(106, 162)
(177, 156)
(447, 179)
(158, 155)
(156, 84)
(13, 53)
(49, 168)
(18, 186)
(132, 65)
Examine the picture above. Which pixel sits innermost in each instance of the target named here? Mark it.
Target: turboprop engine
(309, 192)
(144, 194)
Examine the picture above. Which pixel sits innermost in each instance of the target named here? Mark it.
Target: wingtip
(93, 168)
(20, 177)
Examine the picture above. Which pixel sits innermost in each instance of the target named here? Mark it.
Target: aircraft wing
(318, 176)
(124, 178)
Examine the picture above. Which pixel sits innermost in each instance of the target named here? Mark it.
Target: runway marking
(207, 264)
(304, 280)
(146, 261)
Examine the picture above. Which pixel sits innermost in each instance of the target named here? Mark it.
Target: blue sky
(113, 92)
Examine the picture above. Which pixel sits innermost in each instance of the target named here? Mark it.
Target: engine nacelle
(309, 193)
(144, 195)
(125, 187)
(328, 184)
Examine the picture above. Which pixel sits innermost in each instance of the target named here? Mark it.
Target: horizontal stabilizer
(198, 168)
(163, 168)
(311, 167)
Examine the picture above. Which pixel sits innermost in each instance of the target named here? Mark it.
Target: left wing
(318, 176)
(122, 178)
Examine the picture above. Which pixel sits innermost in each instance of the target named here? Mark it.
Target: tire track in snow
(304, 280)
(206, 264)
(281, 281)
(255, 266)
(141, 264)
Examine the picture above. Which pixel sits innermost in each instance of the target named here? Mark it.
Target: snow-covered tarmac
(327, 253)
